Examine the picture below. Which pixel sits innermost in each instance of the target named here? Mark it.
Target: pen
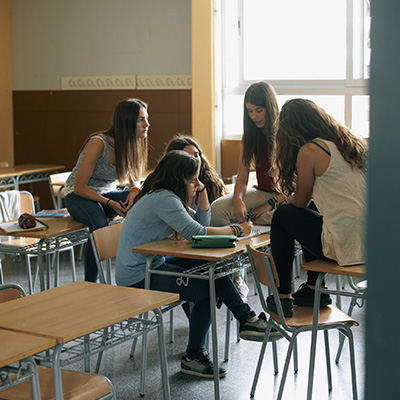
(249, 214)
(122, 204)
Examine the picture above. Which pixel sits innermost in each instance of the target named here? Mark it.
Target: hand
(118, 208)
(239, 210)
(258, 211)
(201, 187)
(129, 200)
(247, 227)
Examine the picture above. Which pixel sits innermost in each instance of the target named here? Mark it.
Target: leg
(222, 208)
(292, 223)
(95, 216)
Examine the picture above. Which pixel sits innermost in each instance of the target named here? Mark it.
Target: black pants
(291, 223)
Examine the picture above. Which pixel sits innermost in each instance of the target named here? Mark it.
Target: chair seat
(76, 385)
(303, 316)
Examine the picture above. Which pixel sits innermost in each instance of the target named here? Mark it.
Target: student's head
(301, 121)
(185, 143)
(208, 175)
(178, 172)
(129, 130)
(259, 116)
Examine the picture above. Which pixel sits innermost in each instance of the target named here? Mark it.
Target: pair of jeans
(197, 291)
(291, 223)
(95, 215)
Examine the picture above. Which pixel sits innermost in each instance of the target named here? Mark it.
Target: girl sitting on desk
(161, 210)
(318, 159)
(119, 153)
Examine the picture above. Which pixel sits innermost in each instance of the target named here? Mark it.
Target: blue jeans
(95, 215)
(197, 291)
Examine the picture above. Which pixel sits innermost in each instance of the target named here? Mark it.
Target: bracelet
(273, 202)
(108, 202)
(202, 190)
(134, 189)
(237, 230)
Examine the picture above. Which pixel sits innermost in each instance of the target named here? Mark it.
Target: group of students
(310, 187)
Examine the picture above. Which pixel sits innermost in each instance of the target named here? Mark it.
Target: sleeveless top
(340, 196)
(104, 175)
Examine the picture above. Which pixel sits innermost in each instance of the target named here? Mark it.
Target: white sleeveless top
(340, 196)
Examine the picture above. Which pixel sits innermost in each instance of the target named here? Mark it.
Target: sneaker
(200, 366)
(242, 289)
(287, 306)
(304, 296)
(255, 331)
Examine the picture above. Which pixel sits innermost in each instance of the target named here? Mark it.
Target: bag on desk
(211, 241)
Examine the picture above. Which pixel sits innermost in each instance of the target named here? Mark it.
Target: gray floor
(124, 371)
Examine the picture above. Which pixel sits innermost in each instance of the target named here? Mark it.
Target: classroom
(66, 65)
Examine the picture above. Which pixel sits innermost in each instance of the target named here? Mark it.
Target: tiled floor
(124, 371)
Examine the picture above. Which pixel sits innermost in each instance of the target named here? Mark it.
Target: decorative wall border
(126, 82)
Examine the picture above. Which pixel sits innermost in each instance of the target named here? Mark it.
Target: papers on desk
(256, 231)
(61, 213)
(15, 227)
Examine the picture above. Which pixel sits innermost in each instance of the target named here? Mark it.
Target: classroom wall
(6, 120)
(55, 39)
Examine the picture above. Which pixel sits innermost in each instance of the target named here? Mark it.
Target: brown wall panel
(51, 126)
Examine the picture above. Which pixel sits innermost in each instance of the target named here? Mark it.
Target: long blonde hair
(300, 122)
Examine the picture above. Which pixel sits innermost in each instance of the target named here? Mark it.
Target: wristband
(237, 230)
(134, 189)
(202, 190)
(273, 202)
(108, 202)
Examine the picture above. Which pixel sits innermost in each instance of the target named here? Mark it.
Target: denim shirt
(155, 216)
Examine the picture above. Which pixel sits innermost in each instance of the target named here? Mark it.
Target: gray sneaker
(200, 366)
(255, 331)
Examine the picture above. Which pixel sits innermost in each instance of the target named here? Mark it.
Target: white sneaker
(242, 289)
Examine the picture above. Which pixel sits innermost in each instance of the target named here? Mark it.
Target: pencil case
(214, 241)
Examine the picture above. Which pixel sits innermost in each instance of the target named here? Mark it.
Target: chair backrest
(27, 203)
(258, 260)
(10, 291)
(57, 191)
(105, 246)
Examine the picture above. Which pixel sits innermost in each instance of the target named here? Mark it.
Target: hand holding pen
(249, 214)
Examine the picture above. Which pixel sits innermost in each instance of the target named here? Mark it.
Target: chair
(29, 246)
(76, 385)
(57, 186)
(264, 269)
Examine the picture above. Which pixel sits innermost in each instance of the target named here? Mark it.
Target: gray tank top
(104, 175)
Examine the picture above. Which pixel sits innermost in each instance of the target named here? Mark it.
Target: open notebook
(257, 230)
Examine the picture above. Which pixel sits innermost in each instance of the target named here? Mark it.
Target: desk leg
(163, 355)
(40, 264)
(314, 332)
(58, 391)
(211, 281)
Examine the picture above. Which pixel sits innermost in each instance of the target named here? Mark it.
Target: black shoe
(287, 306)
(255, 331)
(200, 366)
(304, 296)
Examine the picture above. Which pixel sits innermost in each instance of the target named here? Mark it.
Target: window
(316, 49)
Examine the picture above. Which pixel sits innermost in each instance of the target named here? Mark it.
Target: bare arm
(305, 164)
(240, 210)
(227, 230)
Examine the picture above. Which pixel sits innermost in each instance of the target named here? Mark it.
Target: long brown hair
(302, 121)
(131, 152)
(208, 175)
(260, 94)
(172, 173)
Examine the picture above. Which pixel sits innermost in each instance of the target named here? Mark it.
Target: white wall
(55, 38)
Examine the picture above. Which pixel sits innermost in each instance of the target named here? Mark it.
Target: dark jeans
(291, 223)
(197, 291)
(95, 215)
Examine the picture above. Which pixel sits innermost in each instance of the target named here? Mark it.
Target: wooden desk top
(57, 227)
(24, 169)
(15, 346)
(70, 311)
(357, 271)
(183, 249)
